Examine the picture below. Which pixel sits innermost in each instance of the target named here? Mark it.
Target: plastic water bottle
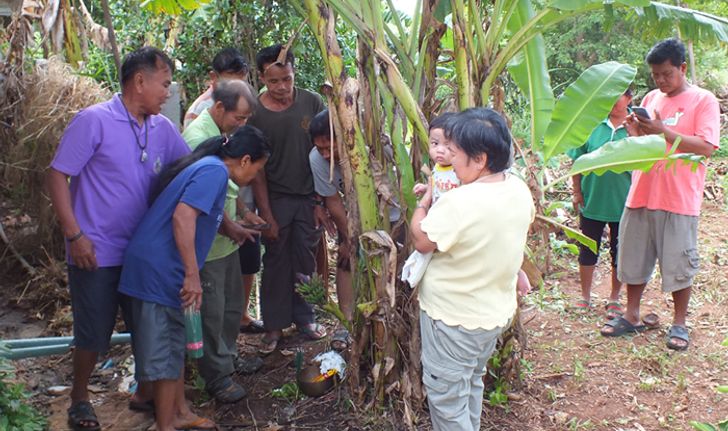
(193, 331)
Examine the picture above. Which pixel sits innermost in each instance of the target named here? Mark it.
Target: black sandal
(681, 333)
(81, 417)
(254, 327)
(621, 326)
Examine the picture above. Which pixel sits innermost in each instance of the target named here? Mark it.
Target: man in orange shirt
(660, 221)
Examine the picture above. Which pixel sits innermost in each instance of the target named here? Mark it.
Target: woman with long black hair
(162, 263)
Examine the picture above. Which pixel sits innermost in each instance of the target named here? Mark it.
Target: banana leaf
(624, 155)
(629, 154)
(530, 72)
(584, 104)
(693, 24)
(444, 9)
(571, 233)
(172, 7)
(578, 4)
(658, 18)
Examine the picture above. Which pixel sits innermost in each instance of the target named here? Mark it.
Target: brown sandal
(651, 320)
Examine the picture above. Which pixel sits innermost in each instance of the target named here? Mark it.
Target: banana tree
(385, 110)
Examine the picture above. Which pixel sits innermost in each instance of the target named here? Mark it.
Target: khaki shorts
(649, 236)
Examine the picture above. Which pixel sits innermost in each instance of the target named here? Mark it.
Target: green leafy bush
(15, 414)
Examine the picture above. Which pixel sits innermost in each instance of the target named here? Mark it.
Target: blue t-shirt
(153, 269)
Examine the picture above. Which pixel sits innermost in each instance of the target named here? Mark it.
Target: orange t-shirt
(694, 112)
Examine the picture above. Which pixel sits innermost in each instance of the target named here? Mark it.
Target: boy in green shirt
(600, 201)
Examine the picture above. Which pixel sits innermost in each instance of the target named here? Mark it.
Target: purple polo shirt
(110, 186)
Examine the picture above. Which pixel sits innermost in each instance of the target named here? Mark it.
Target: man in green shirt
(221, 279)
(600, 201)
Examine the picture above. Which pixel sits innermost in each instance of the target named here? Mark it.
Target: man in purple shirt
(113, 153)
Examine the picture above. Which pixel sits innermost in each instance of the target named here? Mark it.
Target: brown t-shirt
(287, 170)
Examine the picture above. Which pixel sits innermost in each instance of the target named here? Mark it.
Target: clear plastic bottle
(193, 331)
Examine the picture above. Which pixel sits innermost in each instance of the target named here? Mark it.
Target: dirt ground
(573, 379)
(579, 380)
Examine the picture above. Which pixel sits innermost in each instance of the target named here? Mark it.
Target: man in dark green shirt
(600, 201)
(284, 195)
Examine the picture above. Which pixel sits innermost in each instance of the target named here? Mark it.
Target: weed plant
(15, 413)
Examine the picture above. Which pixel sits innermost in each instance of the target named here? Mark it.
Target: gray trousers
(221, 310)
(291, 253)
(453, 365)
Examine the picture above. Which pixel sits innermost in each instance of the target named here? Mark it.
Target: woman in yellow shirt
(468, 293)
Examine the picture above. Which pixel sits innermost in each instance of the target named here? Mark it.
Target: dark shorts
(249, 254)
(95, 300)
(158, 340)
(594, 229)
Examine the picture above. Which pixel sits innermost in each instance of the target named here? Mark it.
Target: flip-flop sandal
(268, 345)
(614, 310)
(227, 392)
(621, 326)
(313, 331)
(198, 424)
(341, 340)
(651, 320)
(254, 327)
(581, 306)
(679, 332)
(82, 417)
(141, 406)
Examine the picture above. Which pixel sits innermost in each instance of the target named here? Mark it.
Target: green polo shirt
(198, 131)
(604, 195)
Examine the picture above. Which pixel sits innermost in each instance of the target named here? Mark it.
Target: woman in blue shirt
(162, 262)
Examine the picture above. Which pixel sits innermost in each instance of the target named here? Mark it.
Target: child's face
(439, 148)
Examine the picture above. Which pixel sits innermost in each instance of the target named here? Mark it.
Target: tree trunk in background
(112, 37)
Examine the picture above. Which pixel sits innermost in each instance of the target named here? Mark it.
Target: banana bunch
(312, 289)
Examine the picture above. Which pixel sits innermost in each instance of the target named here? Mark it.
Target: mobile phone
(257, 226)
(641, 112)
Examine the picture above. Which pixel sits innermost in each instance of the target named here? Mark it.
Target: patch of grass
(552, 395)
(289, 392)
(526, 368)
(653, 360)
(548, 299)
(579, 370)
(717, 358)
(648, 383)
(576, 425)
(557, 367)
(682, 383)
(199, 384)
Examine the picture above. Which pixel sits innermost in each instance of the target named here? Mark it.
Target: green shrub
(15, 413)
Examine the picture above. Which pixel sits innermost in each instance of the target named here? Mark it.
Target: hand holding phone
(640, 112)
(257, 226)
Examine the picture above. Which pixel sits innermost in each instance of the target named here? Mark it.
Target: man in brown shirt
(284, 195)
